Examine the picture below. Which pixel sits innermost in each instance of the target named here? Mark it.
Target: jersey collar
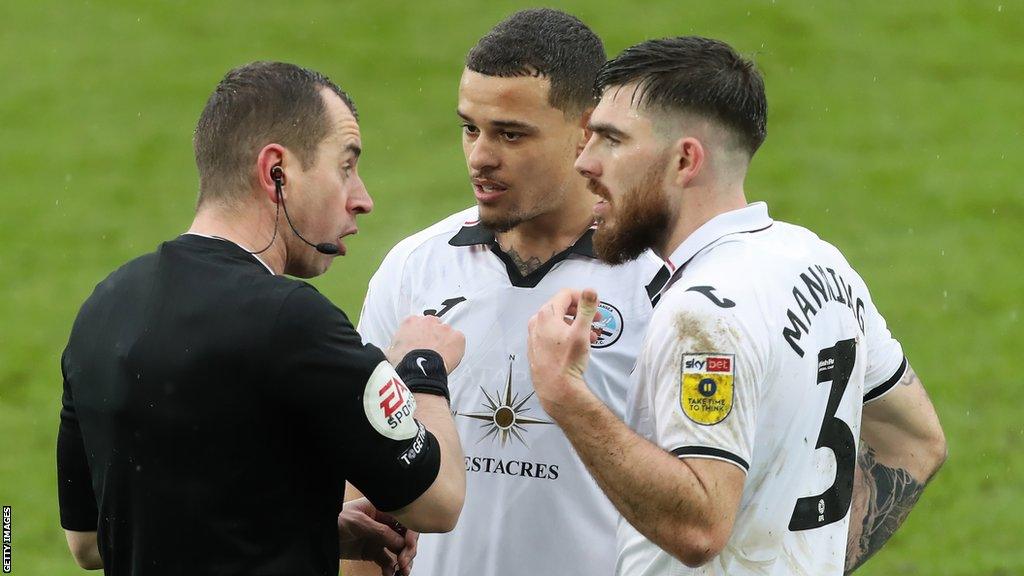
(256, 256)
(474, 233)
(752, 218)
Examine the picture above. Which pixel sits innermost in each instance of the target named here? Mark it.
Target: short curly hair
(548, 43)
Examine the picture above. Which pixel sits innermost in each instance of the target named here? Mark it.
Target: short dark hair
(694, 75)
(252, 106)
(548, 43)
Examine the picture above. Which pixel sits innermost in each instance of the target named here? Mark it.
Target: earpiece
(277, 175)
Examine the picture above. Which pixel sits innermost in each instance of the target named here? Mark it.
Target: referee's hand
(560, 334)
(365, 533)
(427, 332)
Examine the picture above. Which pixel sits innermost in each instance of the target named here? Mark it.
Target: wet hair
(546, 43)
(694, 75)
(252, 106)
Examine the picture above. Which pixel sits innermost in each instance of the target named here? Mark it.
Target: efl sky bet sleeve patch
(389, 405)
(706, 387)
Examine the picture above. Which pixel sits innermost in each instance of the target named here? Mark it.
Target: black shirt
(211, 414)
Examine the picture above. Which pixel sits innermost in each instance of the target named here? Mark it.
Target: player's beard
(503, 221)
(640, 221)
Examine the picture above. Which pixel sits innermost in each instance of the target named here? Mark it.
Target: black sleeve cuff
(422, 460)
(78, 509)
(714, 453)
(888, 384)
(423, 371)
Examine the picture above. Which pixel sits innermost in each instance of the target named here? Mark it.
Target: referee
(213, 409)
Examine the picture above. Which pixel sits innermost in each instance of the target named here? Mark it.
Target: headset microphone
(277, 174)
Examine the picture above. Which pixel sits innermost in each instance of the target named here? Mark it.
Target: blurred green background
(895, 132)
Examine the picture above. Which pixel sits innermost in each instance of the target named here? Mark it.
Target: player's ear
(584, 131)
(689, 157)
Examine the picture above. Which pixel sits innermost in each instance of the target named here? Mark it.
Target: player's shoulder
(713, 312)
(733, 280)
(428, 241)
(697, 317)
(750, 260)
(801, 248)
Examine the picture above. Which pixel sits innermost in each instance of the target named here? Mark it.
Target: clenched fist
(419, 332)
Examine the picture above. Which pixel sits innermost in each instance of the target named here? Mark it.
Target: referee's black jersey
(212, 413)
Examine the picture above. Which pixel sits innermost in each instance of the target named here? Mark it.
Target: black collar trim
(475, 234)
(471, 234)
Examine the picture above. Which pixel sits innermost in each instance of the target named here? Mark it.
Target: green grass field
(895, 132)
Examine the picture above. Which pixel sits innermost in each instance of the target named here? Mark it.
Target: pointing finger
(586, 310)
(564, 301)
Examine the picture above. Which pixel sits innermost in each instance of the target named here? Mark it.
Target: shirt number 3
(835, 365)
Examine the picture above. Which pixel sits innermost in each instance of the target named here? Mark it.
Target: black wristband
(423, 371)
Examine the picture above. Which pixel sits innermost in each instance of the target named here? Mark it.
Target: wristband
(423, 371)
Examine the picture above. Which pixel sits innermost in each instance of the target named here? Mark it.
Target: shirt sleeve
(386, 302)
(352, 399)
(886, 363)
(707, 369)
(78, 509)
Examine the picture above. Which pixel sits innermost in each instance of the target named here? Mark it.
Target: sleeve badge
(389, 405)
(706, 387)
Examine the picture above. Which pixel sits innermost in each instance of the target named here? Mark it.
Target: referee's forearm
(449, 487)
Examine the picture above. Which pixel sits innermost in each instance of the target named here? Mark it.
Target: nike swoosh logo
(419, 364)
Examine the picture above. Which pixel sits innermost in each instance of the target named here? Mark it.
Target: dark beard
(640, 222)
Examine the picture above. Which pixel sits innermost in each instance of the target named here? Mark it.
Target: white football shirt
(531, 507)
(761, 351)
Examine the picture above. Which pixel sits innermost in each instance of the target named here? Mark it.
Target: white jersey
(762, 349)
(531, 507)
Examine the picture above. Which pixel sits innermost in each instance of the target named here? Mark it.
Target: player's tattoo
(889, 494)
(886, 497)
(527, 266)
(909, 377)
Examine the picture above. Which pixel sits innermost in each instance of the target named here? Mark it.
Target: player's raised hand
(559, 348)
(427, 332)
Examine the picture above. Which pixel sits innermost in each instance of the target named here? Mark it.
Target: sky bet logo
(710, 364)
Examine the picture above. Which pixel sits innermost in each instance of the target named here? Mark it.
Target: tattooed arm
(901, 448)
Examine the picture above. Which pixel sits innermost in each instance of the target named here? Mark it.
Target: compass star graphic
(504, 417)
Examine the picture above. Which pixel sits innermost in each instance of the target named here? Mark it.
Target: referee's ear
(270, 156)
(690, 156)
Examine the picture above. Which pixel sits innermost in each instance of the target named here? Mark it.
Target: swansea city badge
(608, 325)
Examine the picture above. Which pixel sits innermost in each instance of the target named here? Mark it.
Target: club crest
(608, 325)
